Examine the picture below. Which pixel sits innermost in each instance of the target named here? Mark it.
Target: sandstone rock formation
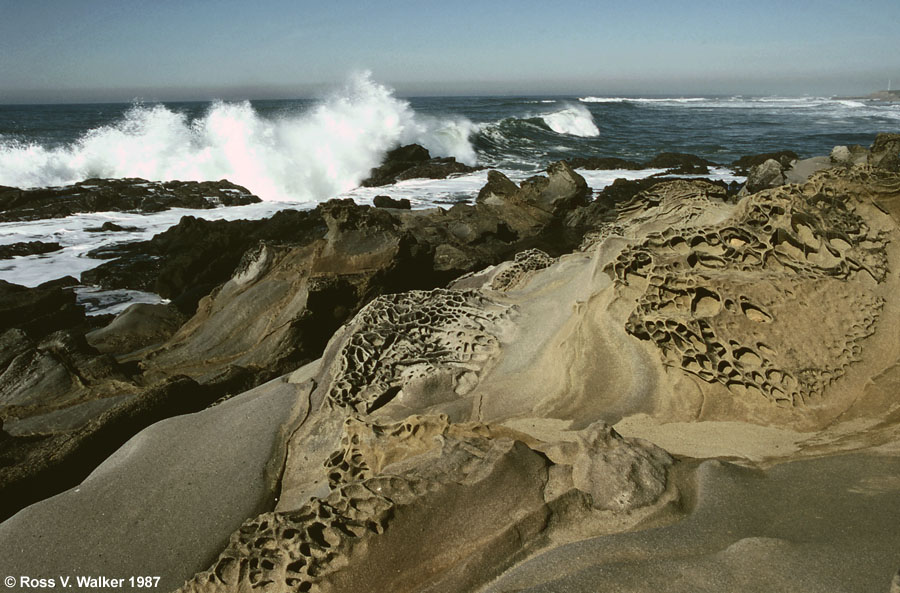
(673, 390)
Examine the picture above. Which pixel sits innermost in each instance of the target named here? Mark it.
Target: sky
(118, 50)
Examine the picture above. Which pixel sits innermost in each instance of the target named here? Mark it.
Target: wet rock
(58, 370)
(389, 202)
(119, 195)
(413, 161)
(27, 248)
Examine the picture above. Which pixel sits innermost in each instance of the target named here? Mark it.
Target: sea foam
(320, 153)
(574, 120)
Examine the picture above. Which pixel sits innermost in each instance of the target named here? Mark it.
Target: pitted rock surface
(737, 302)
(399, 338)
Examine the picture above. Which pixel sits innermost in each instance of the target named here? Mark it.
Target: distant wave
(317, 154)
(638, 100)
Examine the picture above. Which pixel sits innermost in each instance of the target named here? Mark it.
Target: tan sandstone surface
(704, 397)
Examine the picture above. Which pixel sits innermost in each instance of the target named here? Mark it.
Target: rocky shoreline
(545, 389)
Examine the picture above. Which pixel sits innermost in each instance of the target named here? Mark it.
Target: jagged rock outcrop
(118, 195)
(185, 262)
(410, 162)
(676, 163)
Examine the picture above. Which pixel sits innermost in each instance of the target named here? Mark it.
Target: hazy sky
(84, 50)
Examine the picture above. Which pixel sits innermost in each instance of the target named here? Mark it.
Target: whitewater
(307, 157)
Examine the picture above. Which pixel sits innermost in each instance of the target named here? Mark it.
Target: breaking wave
(322, 152)
(574, 120)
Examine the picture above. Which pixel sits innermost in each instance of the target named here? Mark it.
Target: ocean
(297, 153)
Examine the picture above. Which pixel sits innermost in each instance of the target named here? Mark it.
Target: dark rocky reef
(118, 195)
(676, 163)
(413, 161)
(27, 248)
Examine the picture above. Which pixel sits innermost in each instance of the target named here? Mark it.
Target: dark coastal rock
(681, 162)
(57, 371)
(676, 163)
(111, 227)
(885, 152)
(595, 163)
(27, 248)
(119, 195)
(743, 165)
(389, 202)
(413, 161)
(41, 310)
(185, 262)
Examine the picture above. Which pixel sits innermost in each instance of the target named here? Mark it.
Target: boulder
(767, 175)
(847, 156)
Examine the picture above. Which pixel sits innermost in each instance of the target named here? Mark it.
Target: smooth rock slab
(165, 503)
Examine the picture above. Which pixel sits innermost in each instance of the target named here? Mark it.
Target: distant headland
(877, 96)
